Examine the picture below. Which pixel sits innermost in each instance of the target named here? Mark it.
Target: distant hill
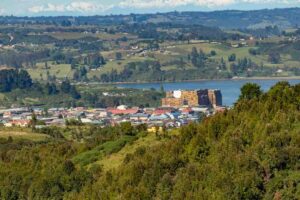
(234, 19)
(229, 19)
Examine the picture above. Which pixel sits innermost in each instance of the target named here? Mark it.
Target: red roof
(160, 111)
(187, 110)
(124, 112)
(20, 122)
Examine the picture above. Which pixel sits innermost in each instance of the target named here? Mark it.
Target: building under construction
(178, 98)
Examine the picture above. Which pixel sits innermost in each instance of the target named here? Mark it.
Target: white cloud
(143, 4)
(85, 7)
(48, 8)
(78, 6)
(173, 3)
(95, 6)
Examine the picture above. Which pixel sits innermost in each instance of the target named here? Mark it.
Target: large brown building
(180, 98)
(215, 98)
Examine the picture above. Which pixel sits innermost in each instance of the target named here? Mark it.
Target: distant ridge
(226, 19)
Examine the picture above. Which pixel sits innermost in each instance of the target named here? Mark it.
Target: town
(178, 108)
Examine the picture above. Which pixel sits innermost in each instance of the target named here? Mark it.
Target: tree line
(13, 79)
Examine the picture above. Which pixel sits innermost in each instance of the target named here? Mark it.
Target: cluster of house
(186, 107)
(154, 117)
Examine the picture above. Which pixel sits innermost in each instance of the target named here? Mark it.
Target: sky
(106, 7)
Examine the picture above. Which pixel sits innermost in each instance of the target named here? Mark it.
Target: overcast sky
(103, 7)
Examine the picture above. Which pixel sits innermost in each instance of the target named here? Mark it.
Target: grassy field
(102, 150)
(22, 135)
(225, 51)
(79, 35)
(173, 52)
(114, 160)
(2, 96)
(111, 154)
(59, 70)
(116, 65)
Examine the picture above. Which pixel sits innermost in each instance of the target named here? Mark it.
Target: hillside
(249, 152)
(175, 46)
(227, 19)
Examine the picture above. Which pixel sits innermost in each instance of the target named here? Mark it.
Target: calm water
(230, 88)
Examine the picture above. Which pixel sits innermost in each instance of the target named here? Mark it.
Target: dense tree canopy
(12, 79)
(250, 91)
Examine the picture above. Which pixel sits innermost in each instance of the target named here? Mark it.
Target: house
(2, 122)
(122, 107)
(163, 110)
(187, 110)
(200, 109)
(103, 114)
(173, 115)
(139, 117)
(86, 120)
(161, 117)
(56, 122)
(7, 114)
(38, 111)
(279, 71)
(134, 47)
(116, 111)
(149, 110)
(18, 122)
(8, 124)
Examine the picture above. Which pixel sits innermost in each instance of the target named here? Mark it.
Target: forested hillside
(249, 152)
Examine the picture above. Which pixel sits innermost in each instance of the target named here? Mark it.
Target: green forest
(249, 152)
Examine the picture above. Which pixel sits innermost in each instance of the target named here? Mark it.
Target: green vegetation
(19, 135)
(248, 152)
(120, 48)
(100, 151)
(13, 79)
(60, 71)
(234, 155)
(91, 96)
(115, 160)
(17, 88)
(250, 91)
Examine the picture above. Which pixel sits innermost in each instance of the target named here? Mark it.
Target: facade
(215, 97)
(178, 98)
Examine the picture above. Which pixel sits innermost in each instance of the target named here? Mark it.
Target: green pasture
(59, 70)
(22, 135)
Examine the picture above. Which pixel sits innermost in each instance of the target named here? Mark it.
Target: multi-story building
(178, 98)
(215, 97)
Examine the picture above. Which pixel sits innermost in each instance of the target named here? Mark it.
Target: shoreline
(198, 80)
(268, 78)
